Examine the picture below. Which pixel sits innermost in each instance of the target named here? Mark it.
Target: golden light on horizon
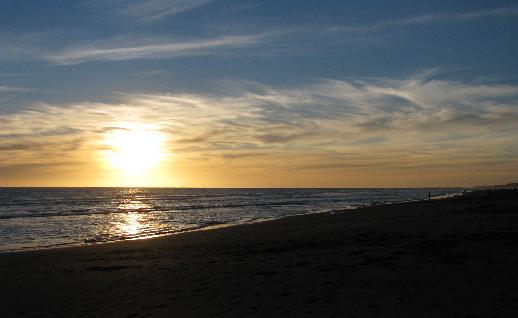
(135, 149)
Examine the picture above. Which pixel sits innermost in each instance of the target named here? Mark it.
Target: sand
(440, 258)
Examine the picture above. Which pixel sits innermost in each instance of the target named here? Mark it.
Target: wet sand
(441, 258)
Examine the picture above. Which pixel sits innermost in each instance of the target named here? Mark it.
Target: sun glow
(135, 150)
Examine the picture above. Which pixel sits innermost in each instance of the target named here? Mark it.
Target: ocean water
(35, 218)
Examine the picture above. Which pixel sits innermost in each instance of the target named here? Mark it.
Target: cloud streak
(458, 16)
(149, 11)
(7, 89)
(431, 18)
(286, 41)
(103, 51)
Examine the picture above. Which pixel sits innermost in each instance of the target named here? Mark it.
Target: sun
(135, 149)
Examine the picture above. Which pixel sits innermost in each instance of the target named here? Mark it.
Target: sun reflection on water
(132, 205)
(131, 226)
(133, 218)
(132, 223)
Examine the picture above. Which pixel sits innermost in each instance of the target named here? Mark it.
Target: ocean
(37, 218)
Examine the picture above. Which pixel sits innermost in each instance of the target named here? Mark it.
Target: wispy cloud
(458, 16)
(24, 46)
(356, 125)
(153, 73)
(287, 40)
(103, 51)
(148, 11)
(9, 75)
(430, 18)
(14, 89)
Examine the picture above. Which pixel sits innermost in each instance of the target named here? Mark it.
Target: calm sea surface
(51, 217)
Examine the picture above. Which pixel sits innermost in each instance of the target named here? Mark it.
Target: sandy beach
(455, 257)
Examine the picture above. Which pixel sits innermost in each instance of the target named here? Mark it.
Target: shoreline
(447, 258)
(225, 225)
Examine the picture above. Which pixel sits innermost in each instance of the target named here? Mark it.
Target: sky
(221, 93)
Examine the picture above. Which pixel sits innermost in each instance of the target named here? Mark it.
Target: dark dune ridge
(455, 257)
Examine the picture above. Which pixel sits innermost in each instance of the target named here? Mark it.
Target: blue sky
(391, 54)
(284, 43)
